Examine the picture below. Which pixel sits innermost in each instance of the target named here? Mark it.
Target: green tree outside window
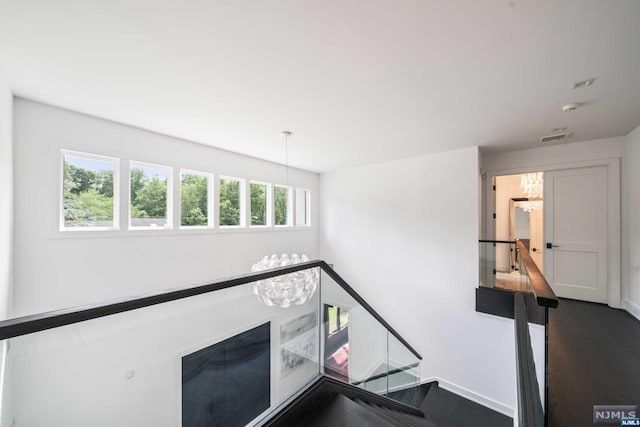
(281, 203)
(88, 192)
(229, 202)
(258, 204)
(194, 200)
(148, 196)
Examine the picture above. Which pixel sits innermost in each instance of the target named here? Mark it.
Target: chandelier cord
(293, 288)
(290, 211)
(286, 156)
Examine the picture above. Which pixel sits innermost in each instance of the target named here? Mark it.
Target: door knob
(551, 245)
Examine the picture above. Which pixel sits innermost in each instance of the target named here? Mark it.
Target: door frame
(613, 212)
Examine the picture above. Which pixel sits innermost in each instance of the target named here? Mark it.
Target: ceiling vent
(556, 137)
(583, 83)
(570, 107)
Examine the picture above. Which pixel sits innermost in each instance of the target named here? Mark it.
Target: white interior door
(575, 206)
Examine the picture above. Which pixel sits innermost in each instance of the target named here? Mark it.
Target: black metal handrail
(511, 242)
(53, 319)
(541, 288)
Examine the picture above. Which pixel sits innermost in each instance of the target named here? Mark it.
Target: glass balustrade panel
(487, 253)
(536, 338)
(403, 374)
(220, 358)
(354, 343)
(501, 266)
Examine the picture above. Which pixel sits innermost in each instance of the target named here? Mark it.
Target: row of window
(90, 198)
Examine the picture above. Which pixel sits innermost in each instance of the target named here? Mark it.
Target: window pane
(88, 192)
(194, 199)
(282, 208)
(258, 204)
(149, 196)
(302, 206)
(333, 319)
(344, 318)
(229, 202)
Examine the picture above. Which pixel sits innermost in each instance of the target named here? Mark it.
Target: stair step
(396, 417)
(343, 412)
(446, 408)
(413, 396)
(328, 402)
(388, 415)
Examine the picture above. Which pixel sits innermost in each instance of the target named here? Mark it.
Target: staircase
(344, 411)
(327, 402)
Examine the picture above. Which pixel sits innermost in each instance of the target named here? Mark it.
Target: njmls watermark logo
(608, 414)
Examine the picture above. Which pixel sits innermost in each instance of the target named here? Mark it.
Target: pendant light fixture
(532, 185)
(287, 289)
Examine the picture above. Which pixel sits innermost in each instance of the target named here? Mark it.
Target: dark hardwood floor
(594, 359)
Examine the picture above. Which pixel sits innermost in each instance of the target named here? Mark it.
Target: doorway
(518, 208)
(597, 194)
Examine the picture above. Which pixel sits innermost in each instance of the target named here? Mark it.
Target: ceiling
(357, 81)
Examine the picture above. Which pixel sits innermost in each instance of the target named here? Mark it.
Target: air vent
(570, 107)
(556, 137)
(583, 83)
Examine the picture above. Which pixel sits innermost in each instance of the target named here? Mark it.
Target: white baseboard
(632, 308)
(473, 396)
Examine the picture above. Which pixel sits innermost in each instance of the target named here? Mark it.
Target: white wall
(6, 225)
(404, 235)
(631, 224)
(6, 193)
(76, 375)
(552, 155)
(56, 270)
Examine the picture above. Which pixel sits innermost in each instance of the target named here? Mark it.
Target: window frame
(243, 203)
(169, 215)
(210, 200)
(116, 191)
(307, 204)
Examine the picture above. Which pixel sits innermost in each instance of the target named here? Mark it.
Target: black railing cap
(510, 242)
(53, 319)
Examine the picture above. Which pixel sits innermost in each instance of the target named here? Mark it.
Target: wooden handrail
(541, 289)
